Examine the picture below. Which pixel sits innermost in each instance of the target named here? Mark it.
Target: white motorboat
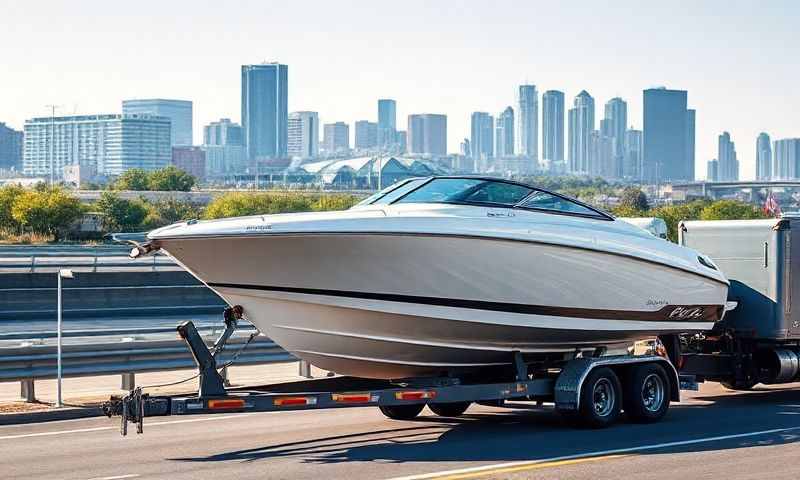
(442, 275)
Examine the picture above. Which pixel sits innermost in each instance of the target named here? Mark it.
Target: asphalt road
(712, 434)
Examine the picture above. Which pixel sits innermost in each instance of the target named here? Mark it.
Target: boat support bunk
(591, 389)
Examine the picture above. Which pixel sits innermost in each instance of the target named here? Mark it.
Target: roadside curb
(50, 415)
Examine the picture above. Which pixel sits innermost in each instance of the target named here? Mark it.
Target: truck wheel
(601, 398)
(647, 393)
(740, 385)
(454, 409)
(401, 412)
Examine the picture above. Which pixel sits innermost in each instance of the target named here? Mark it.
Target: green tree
(119, 214)
(171, 179)
(634, 199)
(8, 195)
(731, 210)
(135, 179)
(334, 202)
(46, 211)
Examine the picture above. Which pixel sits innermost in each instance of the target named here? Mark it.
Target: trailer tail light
(415, 395)
(226, 404)
(294, 401)
(356, 397)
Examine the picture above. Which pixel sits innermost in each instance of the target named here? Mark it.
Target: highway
(711, 434)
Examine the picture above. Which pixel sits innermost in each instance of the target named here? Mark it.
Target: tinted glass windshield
(392, 192)
(467, 190)
(546, 201)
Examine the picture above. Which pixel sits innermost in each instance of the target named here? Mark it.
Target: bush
(8, 195)
(46, 211)
(170, 179)
(634, 199)
(120, 215)
(241, 204)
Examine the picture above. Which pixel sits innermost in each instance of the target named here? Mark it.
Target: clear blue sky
(737, 59)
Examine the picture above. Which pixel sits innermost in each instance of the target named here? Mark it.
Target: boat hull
(406, 305)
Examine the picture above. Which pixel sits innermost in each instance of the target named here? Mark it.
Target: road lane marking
(472, 472)
(527, 468)
(117, 477)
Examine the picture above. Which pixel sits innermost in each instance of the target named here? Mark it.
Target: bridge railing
(19, 258)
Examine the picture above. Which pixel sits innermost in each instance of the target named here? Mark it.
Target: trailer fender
(570, 380)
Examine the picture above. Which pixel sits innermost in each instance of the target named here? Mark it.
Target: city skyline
(196, 65)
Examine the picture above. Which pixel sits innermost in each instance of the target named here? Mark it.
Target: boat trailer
(587, 388)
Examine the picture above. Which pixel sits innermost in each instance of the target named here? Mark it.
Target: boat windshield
(468, 190)
(392, 192)
(488, 192)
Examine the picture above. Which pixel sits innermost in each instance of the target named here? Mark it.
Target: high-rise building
(223, 144)
(712, 171)
(632, 162)
(763, 157)
(668, 130)
(553, 128)
(110, 144)
(481, 137)
(504, 133)
(528, 122)
(191, 160)
(265, 113)
(387, 122)
(581, 126)
(366, 135)
(178, 111)
(10, 148)
(427, 134)
(616, 118)
(603, 161)
(223, 132)
(786, 159)
(336, 138)
(303, 135)
(465, 149)
(726, 156)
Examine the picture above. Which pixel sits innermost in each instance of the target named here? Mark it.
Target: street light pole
(63, 273)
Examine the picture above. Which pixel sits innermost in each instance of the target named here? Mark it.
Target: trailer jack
(133, 407)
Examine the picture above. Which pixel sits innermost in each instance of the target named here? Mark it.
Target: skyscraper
(336, 138)
(366, 135)
(387, 122)
(528, 121)
(616, 116)
(109, 144)
(603, 160)
(10, 148)
(553, 127)
(265, 114)
(726, 156)
(482, 138)
(303, 135)
(178, 111)
(668, 136)
(763, 157)
(712, 171)
(581, 126)
(504, 139)
(786, 159)
(632, 162)
(427, 134)
(223, 132)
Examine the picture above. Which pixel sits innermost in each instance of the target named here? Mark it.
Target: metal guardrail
(29, 258)
(29, 363)
(209, 330)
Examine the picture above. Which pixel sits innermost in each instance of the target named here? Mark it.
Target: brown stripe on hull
(668, 313)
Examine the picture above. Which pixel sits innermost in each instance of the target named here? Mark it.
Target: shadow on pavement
(501, 435)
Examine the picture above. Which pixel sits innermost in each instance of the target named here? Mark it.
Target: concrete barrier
(33, 295)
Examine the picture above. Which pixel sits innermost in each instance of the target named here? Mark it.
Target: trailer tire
(402, 412)
(600, 399)
(740, 385)
(647, 393)
(453, 409)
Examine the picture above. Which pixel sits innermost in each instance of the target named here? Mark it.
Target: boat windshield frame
(597, 213)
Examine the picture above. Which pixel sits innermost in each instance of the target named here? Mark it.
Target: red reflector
(415, 395)
(352, 397)
(294, 401)
(226, 404)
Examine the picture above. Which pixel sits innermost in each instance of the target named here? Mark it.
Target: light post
(62, 273)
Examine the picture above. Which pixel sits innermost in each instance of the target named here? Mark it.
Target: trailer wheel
(647, 393)
(601, 398)
(402, 412)
(740, 385)
(454, 409)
